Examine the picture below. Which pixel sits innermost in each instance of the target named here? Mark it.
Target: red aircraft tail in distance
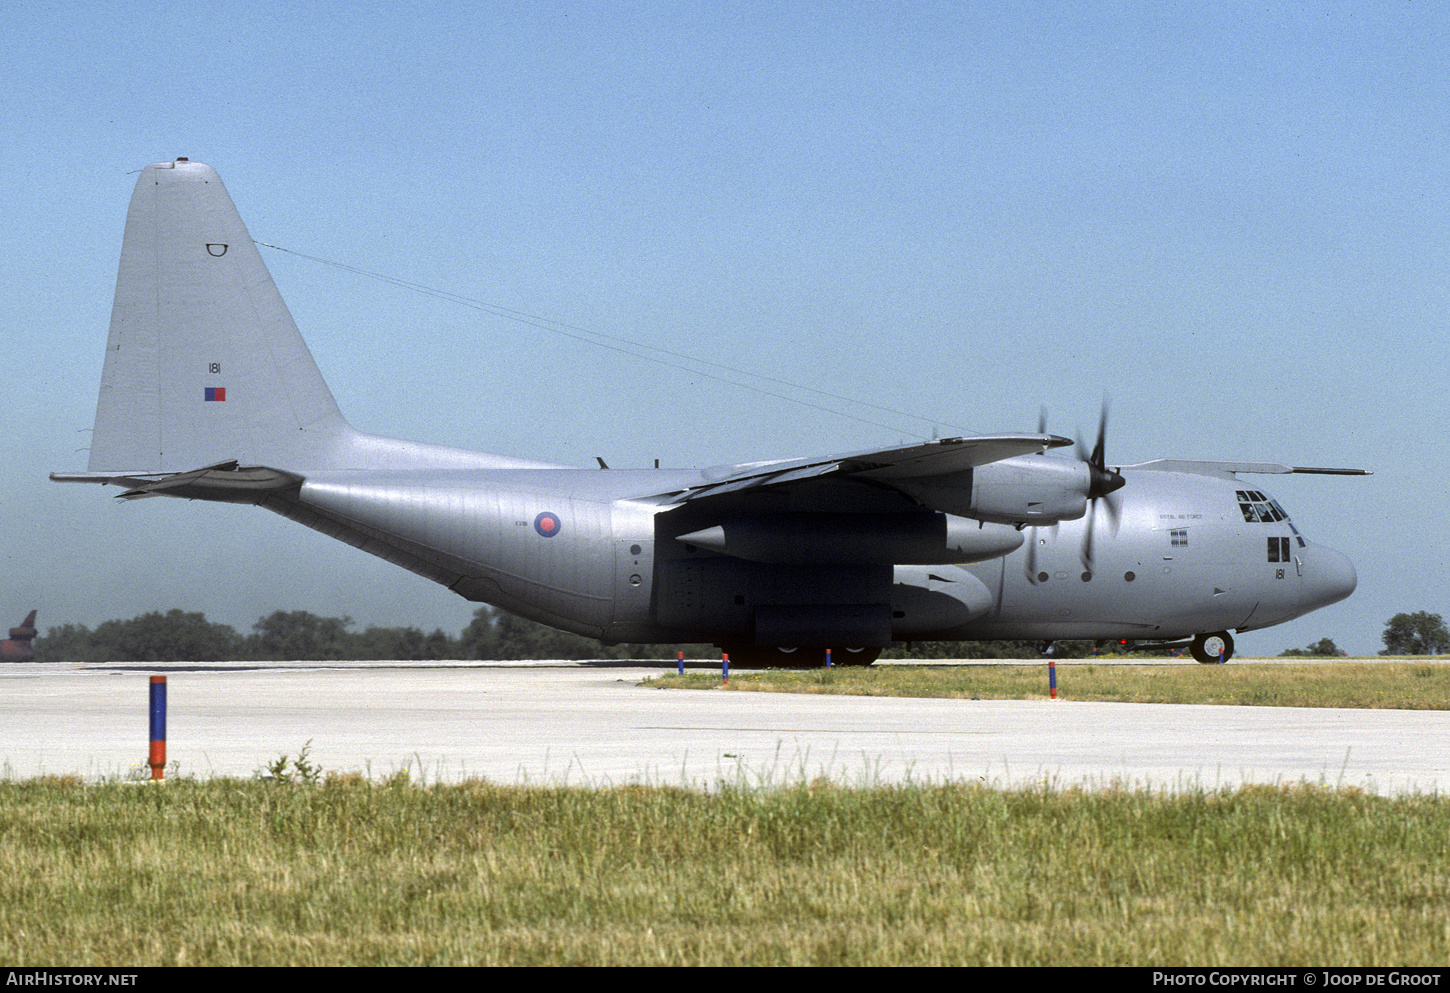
(17, 648)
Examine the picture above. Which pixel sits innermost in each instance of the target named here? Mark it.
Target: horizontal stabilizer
(225, 481)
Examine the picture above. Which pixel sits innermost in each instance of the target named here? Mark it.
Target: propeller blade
(1100, 448)
(1115, 513)
(1111, 512)
(1102, 482)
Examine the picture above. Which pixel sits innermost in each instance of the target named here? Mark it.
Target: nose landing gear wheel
(1211, 649)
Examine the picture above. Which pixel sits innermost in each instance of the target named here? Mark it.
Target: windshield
(1259, 509)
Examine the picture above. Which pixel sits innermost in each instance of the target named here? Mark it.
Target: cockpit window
(1259, 509)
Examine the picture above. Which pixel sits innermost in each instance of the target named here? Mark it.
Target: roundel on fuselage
(547, 524)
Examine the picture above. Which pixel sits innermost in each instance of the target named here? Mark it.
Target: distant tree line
(284, 635)
(1418, 633)
(1324, 647)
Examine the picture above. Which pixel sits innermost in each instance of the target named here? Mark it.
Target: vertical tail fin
(204, 365)
(203, 361)
(17, 647)
(26, 630)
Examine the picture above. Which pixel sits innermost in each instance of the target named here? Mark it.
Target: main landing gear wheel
(1211, 649)
(854, 656)
(768, 657)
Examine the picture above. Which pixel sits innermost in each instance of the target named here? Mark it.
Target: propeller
(1101, 482)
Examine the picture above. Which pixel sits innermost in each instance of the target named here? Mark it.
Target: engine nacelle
(1033, 488)
(1029, 489)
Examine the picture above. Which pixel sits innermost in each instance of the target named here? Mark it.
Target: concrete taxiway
(594, 724)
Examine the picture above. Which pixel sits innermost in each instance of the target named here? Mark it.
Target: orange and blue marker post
(157, 757)
(725, 667)
(682, 663)
(1052, 677)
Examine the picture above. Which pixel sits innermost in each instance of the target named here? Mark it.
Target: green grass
(1392, 685)
(227, 872)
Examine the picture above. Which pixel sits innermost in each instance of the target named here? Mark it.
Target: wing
(932, 459)
(1228, 469)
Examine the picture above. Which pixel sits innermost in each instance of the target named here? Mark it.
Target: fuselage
(598, 552)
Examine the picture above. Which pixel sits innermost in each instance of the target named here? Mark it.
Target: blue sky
(1229, 218)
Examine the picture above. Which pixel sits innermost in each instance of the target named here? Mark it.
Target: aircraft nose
(1328, 577)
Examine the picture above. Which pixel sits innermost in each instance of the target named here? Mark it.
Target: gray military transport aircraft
(209, 393)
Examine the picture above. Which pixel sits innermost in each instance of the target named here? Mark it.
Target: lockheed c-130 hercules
(208, 392)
